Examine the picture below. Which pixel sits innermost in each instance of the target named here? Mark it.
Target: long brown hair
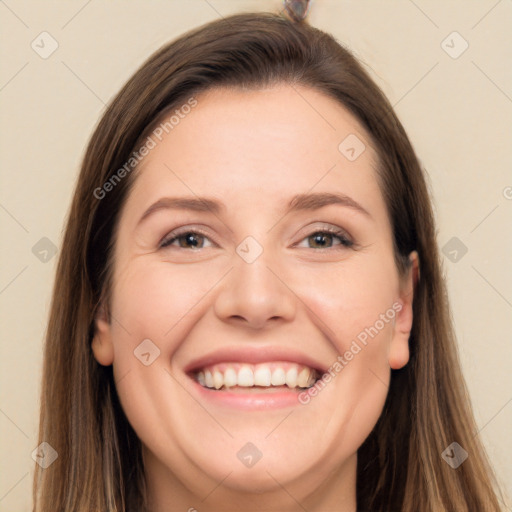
(400, 467)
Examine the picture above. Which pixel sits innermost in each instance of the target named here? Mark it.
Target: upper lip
(253, 355)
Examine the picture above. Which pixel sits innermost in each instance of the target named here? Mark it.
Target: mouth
(267, 376)
(253, 377)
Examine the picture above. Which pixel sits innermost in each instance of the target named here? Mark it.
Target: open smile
(253, 379)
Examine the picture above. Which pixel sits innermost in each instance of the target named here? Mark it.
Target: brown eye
(191, 240)
(325, 239)
(320, 240)
(188, 240)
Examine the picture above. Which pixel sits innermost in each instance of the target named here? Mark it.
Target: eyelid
(346, 240)
(183, 230)
(309, 231)
(329, 228)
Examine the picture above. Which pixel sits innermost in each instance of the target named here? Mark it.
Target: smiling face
(282, 270)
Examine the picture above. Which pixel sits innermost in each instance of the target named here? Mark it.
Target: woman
(249, 312)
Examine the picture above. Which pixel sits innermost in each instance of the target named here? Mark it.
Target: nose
(255, 294)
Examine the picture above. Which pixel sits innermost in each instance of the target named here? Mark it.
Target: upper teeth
(265, 374)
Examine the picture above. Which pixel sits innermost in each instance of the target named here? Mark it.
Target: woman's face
(255, 246)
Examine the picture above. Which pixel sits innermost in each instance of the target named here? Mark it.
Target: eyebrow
(299, 202)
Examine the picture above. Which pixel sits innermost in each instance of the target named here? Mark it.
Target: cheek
(152, 299)
(353, 300)
(355, 307)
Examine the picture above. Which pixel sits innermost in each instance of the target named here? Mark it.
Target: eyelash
(335, 232)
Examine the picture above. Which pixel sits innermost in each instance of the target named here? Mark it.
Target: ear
(398, 355)
(102, 346)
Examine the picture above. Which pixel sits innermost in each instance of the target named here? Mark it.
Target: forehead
(264, 144)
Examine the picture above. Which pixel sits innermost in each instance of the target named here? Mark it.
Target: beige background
(458, 112)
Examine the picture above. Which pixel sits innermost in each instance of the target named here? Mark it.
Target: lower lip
(251, 400)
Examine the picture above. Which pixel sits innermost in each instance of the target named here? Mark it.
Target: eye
(186, 240)
(325, 238)
(321, 239)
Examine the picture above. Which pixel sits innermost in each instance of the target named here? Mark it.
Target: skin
(254, 150)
